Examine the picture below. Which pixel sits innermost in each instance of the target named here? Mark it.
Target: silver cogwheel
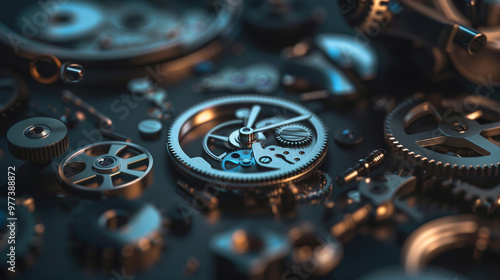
(462, 140)
(293, 135)
(192, 152)
(107, 169)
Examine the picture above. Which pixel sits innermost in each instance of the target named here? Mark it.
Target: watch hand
(285, 122)
(253, 116)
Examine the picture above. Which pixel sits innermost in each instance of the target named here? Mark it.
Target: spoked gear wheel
(461, 140)
(275, 166)
(119, 234)
(108, 169)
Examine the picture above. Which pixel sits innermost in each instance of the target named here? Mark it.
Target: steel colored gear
(38, 140)
(482, 199)
(108, 169)
(14, 93)
(277, 165)
(293, 135)
(314, 189)
(119, 234)
(458, 145)
(127, 38)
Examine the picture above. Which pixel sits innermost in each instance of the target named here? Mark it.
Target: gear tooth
(454, 170)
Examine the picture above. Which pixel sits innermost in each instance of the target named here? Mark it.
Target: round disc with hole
(38, 140)
(108, 169)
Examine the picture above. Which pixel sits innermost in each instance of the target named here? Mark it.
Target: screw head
(460, 127)
(265, 159)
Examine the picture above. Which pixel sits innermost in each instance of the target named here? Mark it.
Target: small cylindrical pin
(470, 39)
(71, 73)
(364, 166)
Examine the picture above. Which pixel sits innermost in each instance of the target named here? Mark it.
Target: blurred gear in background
(110, 37)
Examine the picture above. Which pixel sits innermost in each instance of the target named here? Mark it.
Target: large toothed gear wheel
(210, 132)
(119, 234)
(293, 135)
(457, 138)
(107, 169)
(367, 15)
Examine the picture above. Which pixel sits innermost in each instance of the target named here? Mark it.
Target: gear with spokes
(108, 169)
(456, 138)
(207, 134)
